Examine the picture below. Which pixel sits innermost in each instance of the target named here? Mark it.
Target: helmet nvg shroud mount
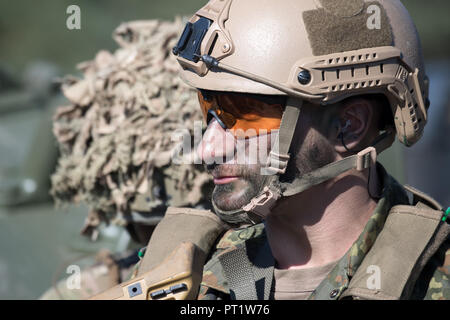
(321, 51)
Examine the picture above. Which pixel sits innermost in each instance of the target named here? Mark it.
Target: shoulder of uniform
(234, 237)
(422, 197)
(424, 203)
(213, 275)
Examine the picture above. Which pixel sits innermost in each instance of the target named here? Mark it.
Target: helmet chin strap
(260, 206)
(236, 217)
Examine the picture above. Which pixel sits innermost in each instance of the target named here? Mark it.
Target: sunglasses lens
(245, 115)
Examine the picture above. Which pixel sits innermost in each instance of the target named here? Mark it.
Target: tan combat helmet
(321, 51)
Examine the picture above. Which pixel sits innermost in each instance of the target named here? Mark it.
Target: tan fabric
(298, 284)
(396, 252)
(200, 227)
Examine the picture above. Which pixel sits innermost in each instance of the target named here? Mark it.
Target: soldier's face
(237, 182)
(235, 165)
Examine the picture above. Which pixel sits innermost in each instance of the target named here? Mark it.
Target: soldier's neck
(319, 225)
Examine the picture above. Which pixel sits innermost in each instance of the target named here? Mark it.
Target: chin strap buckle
(366, 158)
(276, 164)
(262, 204)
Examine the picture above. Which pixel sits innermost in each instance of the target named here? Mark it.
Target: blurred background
(37, 240)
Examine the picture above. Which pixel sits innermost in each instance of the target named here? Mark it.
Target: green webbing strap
(360, 161)
(323, 174)
(249, 270)
(238, 271)
(279, 155)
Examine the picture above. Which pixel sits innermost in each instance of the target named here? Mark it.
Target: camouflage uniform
(433, 283)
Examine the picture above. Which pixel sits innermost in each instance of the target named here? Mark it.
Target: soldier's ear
(354, 119)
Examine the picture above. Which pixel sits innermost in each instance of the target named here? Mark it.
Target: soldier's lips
(225, 180)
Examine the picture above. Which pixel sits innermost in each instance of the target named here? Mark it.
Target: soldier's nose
(217, 145)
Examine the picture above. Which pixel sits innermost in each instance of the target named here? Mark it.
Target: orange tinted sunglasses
(244, 114)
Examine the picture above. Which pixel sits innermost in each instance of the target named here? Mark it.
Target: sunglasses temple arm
(214, 114)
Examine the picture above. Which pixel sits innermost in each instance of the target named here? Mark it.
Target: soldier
(330, 83)
(115, 153)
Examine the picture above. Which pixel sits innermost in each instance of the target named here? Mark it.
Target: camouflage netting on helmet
(117, 131)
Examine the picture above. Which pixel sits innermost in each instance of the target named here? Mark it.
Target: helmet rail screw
(225, 48)
(304, 77)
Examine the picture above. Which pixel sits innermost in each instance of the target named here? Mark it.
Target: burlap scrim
(117, 130)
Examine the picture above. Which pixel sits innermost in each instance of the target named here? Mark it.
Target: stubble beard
(235, 195)
(313, 154)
